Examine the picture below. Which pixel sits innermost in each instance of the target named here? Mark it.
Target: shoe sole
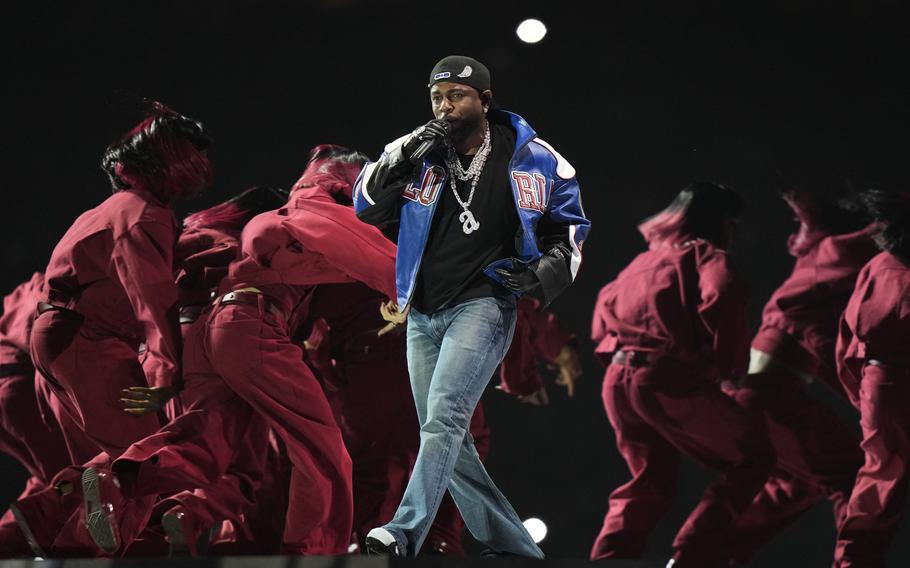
(97, 520)
(376, 547)
(176, 537)
(29, 535)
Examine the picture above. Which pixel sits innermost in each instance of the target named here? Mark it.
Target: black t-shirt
(453, 262)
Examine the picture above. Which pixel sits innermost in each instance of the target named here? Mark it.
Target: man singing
(486, 211)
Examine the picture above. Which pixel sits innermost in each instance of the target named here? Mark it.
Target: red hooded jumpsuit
(671, 327)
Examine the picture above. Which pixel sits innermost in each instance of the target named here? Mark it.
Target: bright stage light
(537, 529)
(531, 31)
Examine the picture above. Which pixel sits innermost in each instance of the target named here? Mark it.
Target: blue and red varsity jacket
(547, 200)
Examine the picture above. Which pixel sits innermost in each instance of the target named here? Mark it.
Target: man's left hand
(518, 279)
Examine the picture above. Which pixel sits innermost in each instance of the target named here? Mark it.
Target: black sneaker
(381, 542)
(184, 535)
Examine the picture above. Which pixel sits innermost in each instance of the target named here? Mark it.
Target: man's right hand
(436, 130)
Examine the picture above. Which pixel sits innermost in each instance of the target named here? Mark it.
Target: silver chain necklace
(469, 223)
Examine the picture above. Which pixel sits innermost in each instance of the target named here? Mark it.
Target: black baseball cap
(463, 70)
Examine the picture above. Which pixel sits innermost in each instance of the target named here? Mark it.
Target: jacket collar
(523, 131)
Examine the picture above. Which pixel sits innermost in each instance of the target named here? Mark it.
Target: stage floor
(320, 562)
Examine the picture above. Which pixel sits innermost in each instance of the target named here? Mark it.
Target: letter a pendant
(470, 223)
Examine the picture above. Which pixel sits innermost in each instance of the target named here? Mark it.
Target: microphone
(428, 145)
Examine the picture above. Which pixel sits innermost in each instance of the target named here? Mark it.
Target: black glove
(519, 278)
(552, 269)
(434, 131)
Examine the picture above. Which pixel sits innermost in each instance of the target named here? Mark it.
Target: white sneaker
(381, 541)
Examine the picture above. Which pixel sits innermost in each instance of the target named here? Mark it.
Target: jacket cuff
(399, 166)
(552, 272)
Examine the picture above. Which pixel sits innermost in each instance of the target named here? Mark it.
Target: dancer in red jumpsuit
(36, 444)
(28, 431)
(873, 363)
(210, 241)
(538, 338)
(242, 360)
(671, 327)
(110, 286)
(817, 454)
(366, 380)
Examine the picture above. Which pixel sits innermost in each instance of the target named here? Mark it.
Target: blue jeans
(451, 356)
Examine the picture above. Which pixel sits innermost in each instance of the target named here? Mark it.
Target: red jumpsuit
(202, 259)
(670, 327)
(367, 386)
(111, 285)
(817, 454)
(873, 362)
(538, 336)
(24, 434)
(241, 356)
(799, 322)
(28, 431)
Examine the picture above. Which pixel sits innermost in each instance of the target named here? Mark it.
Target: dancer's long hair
(232, 215)
(164, 154)
(834, 210)
(890, 211)
(336, 161)
(699, 211)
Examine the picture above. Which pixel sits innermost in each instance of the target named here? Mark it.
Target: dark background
(642, 97)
